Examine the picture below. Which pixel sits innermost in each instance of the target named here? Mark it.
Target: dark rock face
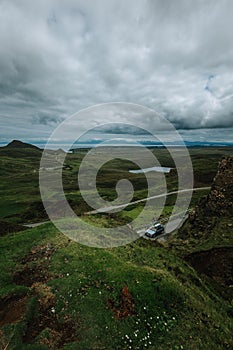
(219, 201)
(211, 221)
(220, 198)
(218, 204)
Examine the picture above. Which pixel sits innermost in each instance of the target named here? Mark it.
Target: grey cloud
(60, 56)
(121, 129)
(46, 119)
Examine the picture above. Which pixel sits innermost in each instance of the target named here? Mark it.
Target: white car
(157, 230)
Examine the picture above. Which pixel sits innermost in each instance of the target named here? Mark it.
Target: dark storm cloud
(121, 129)
(60, 56)
(46, 119)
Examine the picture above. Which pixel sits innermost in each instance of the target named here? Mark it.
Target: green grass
(173, 307)
(19, 183)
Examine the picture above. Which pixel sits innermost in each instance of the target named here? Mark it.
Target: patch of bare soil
(125, 306)
(12, 309)
(39, 252)
(216, 263)
(30, 275)
(35, 266)
(46, 323)
(43, 324)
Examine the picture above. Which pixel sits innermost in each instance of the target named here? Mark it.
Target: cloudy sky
(57, 57)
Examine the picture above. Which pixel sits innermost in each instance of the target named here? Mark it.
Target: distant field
(19, 184)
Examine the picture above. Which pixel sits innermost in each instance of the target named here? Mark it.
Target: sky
(58, 57)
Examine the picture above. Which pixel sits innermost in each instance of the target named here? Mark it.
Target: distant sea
(90, 144)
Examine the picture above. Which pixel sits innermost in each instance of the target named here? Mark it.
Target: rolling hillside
(58, 294)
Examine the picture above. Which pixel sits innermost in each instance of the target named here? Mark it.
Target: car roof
(157, 225)
(150, 231)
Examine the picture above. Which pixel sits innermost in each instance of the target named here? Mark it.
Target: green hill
(19, 149)
(20, 144)
(57, 294)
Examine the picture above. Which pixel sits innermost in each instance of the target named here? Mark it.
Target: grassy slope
(19, 184)
(174, 309)
(18, 181)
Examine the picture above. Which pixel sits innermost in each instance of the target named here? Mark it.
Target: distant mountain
(19, 149)
(20, 144)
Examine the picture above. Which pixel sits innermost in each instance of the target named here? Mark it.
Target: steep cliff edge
(220, 199)
(206, 239)
(214, 209)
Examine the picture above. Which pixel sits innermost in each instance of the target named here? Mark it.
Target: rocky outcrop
(219, 201)
(209, 229)
(213, 208)
(220, 198)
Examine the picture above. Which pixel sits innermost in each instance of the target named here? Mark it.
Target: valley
(149, 294)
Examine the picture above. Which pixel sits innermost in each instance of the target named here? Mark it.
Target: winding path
(111, 208)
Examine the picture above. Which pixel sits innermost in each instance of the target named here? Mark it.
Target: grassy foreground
(58, 294)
